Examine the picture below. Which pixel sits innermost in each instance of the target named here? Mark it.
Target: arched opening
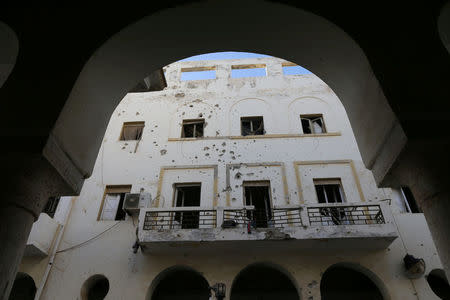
(343, 281)
(8, 51)
(439, 283)
(444, 26)
(263, 281)
(179, 282)
(23, 288)
(95, 288)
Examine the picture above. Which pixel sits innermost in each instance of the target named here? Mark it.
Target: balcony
(365, 225)
(42, 235)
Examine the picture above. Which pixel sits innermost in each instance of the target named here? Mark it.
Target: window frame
(140, 124)
(178, 216)
(112, 189)
(251, 119)
(311, 118)
(193, 122)
(330, 181)
(259, 183)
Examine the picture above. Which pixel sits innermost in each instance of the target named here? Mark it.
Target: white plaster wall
(45, 229)
(221, 102)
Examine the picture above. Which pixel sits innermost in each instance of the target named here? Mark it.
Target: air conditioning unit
(131, 203)
(134, 202)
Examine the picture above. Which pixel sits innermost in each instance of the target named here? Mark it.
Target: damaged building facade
(254, 182)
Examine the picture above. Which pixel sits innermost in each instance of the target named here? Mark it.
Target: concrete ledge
(42, 235)
(299, 236)
(252, 137)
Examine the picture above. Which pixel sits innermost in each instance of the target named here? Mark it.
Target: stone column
(31, 181)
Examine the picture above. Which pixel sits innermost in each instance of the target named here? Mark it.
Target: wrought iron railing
(180, 218)
(345, 215)
(329, 214)
(261, 218)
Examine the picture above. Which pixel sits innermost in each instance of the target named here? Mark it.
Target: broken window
(330, 191)
(50, 207)
(187, 195)
(312, 124)
(410, 201)
(112, 207)
(252, 126)
(192, 128)
(293, 69)
(253, 70)
(198, 73)
(132, 131)
(258, 195)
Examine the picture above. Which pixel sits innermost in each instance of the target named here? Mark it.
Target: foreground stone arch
(138, 49)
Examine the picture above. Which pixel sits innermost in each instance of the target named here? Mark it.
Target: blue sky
(296, 70)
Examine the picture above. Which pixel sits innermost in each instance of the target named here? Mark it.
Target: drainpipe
(54, 249)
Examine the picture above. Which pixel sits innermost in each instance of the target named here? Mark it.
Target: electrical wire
(85, 242)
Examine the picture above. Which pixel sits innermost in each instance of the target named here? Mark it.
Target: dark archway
(179, 282)
(344, 282)
(439, 284)
(24, 287)
(95, 288)
(263, 282)
(8, 51)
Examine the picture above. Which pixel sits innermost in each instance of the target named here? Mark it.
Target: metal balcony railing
(326, 214)
(261, 218)
(180, 218)
(344, 214)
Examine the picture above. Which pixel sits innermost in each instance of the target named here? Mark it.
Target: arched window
(263, 281)
(439, 284)
(95, 288)
(179, 283)
(342, 282)
(23, 288)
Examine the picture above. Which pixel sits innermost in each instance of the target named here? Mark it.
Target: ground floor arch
(24, 287)
(179, 282)
(263, 281)
(95, 287)
(348, 281)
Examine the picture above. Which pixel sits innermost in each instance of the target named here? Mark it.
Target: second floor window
(329, 190)
(50, 207)
(113, 202)
(312, 124)
(252, 126)
(192, 128)
(132, 131)
(187, 194)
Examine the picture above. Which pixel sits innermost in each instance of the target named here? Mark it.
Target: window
(329, 190)
(132, 131)
(258, 194)
(410, 201)
(198, 73)
(113, 202)
(312, 124)
(254, 70)
(50, 207)
(187, 194)
(252, 126)
(192, 128)
(293, 69)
